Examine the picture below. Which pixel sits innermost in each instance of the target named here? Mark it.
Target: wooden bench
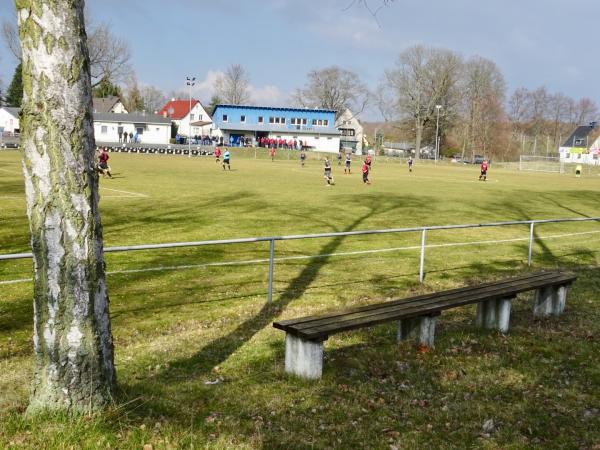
(417, 315)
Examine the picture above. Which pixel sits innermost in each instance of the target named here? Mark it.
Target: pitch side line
(325, 255)
(135, 194)
(12, 172)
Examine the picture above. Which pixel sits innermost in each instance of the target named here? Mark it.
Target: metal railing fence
(272, 239)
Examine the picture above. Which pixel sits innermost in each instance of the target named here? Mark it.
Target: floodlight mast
(437, 129)
(190, 83)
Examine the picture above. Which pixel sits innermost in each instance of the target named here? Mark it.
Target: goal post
(534, 163)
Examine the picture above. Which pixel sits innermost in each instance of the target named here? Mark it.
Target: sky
(534, 42)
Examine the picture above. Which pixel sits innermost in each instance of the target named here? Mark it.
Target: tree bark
(73, 347)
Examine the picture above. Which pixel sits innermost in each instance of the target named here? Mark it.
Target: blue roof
(272, 108)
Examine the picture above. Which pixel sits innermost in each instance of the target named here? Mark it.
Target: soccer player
(217, 155)
(410, 163)
(368, 160)
(339, 158)
(328, 177)
(347, 165)
(103, 166)
(484, 168)
(272, 153)
(302, 158)
(226, 159)
(365, 172)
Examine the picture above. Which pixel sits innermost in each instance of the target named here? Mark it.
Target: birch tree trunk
(74, 368)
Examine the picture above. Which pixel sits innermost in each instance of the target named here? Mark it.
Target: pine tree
(106, 89)
(14, 94)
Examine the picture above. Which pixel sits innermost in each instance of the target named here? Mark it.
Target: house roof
(177, 109)
(581, 132)
(131, 118)
(12, 110)
(273, 108)
(104, 105)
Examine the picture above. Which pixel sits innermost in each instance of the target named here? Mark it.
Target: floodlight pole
(190, 83)
(437, 129)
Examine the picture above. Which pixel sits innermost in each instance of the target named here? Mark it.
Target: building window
(316, 137)
(139, 130)
(271, 119)
(304, 121)
(157, 129)
(314, 122)
(260, 119)
(328, 138)
(225, 118)
(293, 121)
(243, 119)
(103, 129)
(326, 122)
(578, 142)
(282, 119)
(319, 122)
(192, 117)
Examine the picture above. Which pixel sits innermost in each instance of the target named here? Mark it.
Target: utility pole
(437, 129)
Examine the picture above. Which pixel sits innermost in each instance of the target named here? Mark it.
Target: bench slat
(319, 327)
(385, 315)
(532, 277)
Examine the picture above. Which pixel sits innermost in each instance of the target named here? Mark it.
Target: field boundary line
(136, 194)
(323, 255)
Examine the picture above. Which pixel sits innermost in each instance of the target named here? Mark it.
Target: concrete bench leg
(550, 301)
(420, 329)
(303, 358)
(494, 314)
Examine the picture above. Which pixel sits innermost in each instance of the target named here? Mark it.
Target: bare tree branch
(11, 39)
(233, 86)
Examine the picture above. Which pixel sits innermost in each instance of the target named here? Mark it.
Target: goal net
(541, 164)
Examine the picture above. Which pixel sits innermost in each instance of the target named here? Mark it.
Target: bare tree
(587, 111)
(333, 88)
(109, 55)
(233, 86)
(483, 90)
(73, 347)
(11, 39)
(153, 98)
(423, 78)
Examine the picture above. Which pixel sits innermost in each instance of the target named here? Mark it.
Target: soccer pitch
(185, 316)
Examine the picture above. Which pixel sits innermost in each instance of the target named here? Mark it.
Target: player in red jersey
(103, 166)
(217, 154)
(365, 172)
(272, 153)
(484, 169)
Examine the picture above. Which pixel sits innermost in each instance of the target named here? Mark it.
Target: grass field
(199, 365)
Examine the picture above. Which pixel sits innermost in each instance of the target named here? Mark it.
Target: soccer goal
(541, 164)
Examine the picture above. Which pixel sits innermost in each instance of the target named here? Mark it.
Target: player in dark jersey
(484, 169)
(347, 164)
(302, 158)
(327, 174)
(410, 163)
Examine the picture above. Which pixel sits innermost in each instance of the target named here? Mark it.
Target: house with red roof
(190, 117)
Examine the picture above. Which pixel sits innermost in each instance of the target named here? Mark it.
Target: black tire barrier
(194, 152)
(178, 151)
(152, 150)
(169, 151)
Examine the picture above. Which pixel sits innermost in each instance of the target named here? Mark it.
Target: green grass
(176, 329)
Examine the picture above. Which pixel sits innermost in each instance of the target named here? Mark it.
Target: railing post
(529, 256)
(422, 265)
(271, 262)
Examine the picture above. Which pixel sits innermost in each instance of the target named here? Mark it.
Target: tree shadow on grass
(217, 351)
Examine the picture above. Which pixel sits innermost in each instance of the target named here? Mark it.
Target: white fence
(272, 239)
